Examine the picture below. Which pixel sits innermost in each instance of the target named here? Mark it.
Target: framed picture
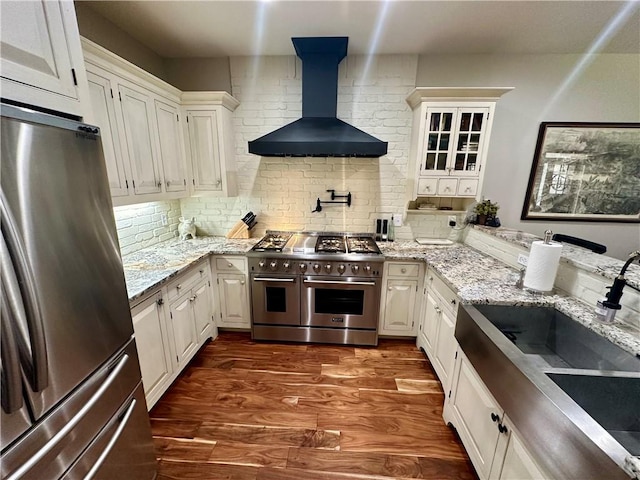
(585, 172)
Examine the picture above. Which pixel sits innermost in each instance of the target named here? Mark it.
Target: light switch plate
(397, 220)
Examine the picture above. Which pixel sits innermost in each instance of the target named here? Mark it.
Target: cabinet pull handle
(178, 287)
(453, 301)
(159, 184)
(192, 299)
(160, 302)
(229, 265)
(431, 279)
(242, 282)
(403, 270)
(494, 418)
(502, 428)
(168, 184)
(219, 182)
(437, 309)
(201, 271)
(390, 288)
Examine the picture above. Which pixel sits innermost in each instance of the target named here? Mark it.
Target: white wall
(596, 88)
(283, 191)
(140, 226)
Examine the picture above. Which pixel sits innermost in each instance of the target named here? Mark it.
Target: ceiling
(213, 28)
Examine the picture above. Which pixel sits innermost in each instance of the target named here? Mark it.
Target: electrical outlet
(397, 220)
(523, 259)
(164, 219)
(451, 218)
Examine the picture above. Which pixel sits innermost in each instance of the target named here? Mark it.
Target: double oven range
(316, 287)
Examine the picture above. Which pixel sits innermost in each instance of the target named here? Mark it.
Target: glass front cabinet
(450, 139)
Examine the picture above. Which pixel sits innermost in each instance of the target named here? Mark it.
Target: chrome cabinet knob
(403, 270)
(341, 268)
(229, 264)
(178, 287)
(241, 282)
(390, 288)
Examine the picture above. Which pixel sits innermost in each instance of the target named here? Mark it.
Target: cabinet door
(34, 46)
(516, 462)
(445, 348)
(183, 328)
(137, 116)
(431, 319)
(202, 309)
(399, 306)
(439, 136)
(469, 138)
(477, 416)
(104, 116)
(205, 154)
(153, 348)
(234, 301)
(171, 147)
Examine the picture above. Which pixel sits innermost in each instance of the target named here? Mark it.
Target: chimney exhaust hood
(319, 133)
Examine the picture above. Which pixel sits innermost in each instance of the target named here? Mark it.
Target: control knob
(355, 268)
(286, 265)
(262, 264)
(303, 267)
(367, 268)
(327, 267)
(273, 265)
(341, 268)
(316, 267)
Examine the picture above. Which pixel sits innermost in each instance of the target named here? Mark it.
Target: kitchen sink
(551, 339)
(612, 401)
(572, 393)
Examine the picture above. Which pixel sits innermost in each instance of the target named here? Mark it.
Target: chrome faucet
(606, 310)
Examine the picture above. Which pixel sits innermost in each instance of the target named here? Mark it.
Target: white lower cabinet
(437, 327)
(231, 274)
(170, 326)
(152, 341)
(399, 302)
(494, 448)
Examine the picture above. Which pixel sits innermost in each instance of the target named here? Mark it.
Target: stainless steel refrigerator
(72, 399)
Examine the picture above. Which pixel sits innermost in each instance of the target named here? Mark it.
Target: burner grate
(272, 242)
(333, 244)
(362, 245)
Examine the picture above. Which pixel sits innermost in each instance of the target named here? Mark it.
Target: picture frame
(585, 171)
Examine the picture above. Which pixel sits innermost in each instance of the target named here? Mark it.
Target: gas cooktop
(321, 243)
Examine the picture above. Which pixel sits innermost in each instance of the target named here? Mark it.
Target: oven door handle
(333, 282)
(267, 279)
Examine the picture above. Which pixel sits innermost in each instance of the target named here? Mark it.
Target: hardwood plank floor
(268, 411)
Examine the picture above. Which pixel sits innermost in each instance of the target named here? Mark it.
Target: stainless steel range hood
(319, 133)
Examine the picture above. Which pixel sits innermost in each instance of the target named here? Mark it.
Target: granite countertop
(150, 267)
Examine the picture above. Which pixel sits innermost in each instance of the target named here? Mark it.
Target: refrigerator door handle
(123, 419)
(29, 323)
(11, 395)
(63, 432)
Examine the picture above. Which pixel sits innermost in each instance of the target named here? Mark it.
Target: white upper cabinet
(138, 123)
(171, 147)
(210, 145)
(41, 57)
(450, 140)
(104, 114)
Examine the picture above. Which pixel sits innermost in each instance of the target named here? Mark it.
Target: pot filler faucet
(606, 310)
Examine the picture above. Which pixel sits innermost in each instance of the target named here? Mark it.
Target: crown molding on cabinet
(445, 94)
(209, 98)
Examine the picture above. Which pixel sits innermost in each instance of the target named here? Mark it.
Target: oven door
(275, 300)
(344, 302)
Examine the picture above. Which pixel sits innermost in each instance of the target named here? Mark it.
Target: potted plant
(485, 210)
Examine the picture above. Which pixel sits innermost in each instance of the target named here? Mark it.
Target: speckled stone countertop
(582, 258)
(148, 268)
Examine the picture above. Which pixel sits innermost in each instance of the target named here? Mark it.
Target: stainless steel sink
(552, 339)
(571, 393)
(612, 401)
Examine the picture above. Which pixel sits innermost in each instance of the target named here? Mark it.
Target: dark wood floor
(267, 411)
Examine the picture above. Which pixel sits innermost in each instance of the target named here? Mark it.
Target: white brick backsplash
(586, 286)
(140, 226)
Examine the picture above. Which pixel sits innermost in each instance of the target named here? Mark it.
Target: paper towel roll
(542, 266)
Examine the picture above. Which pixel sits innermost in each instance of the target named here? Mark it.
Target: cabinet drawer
(427, 186)
(467, 187)
(448, 297)
(403, 269)
(185, 281)
(447, 187)
(230, 264)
